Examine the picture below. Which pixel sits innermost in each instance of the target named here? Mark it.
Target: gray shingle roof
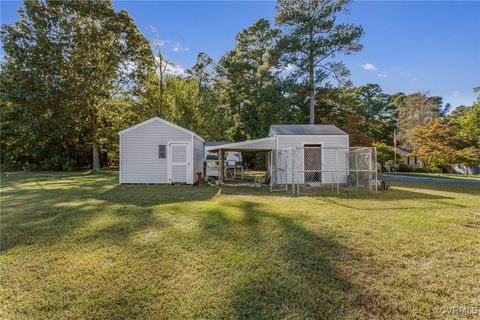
(305, 129)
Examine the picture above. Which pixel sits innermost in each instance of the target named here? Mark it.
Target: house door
(179, 162)
(312, 162)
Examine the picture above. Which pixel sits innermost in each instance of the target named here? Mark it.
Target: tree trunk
(161, 71)
(311, 80)
(311, 84)
(312, 106)
(95, 152)
(95, 156)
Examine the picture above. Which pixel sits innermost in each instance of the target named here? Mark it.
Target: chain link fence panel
(300, 169)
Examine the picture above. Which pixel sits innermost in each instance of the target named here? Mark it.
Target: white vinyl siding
(198, 157)
(332, 160)
(139, 152)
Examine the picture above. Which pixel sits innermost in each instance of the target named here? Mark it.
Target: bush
(421, 170)
(385, 153)
(29, 166)
(70, 165)
(404, 168)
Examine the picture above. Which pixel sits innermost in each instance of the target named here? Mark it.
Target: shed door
(179, 162)
(312, 161)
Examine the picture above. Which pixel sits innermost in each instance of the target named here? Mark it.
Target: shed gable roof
(154, 119)
(305, 129)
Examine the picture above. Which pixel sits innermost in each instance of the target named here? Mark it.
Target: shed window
(162, 151)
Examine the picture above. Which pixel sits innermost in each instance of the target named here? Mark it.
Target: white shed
(157, 151)
(321, 152)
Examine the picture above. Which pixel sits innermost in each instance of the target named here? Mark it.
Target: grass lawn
(80, 246)
(436, 175)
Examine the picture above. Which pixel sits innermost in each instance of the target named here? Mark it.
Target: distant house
(157, 151)
(408, 158)
(464, 169)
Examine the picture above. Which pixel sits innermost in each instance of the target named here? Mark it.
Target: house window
(162, 151)
(411, 161)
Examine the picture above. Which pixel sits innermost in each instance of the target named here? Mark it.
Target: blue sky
(408, 46)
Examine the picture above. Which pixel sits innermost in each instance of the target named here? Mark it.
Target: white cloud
(178, 47)
(158, 42)
(284, 69)
(456, 93)
(152, 29)
(173, 46)
(383, 75)
(369, 66)
(173, 69)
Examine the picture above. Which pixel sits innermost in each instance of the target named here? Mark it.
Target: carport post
(222, 165)
(267, 160)
(270, 167)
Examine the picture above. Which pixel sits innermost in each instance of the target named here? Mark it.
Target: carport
(256, 145)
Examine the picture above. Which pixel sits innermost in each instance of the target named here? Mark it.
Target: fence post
(293, 172)
(336, 173)
(370, 170)
(331, 180)
(356, 166)
(286, 171)
(376, 169)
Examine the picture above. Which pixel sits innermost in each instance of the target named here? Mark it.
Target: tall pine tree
(312, 40)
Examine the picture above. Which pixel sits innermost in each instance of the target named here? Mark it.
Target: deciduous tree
(67, 61)
(249, 83)
(416, 111)
(438, 146)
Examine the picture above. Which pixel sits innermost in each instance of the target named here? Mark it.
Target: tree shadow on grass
(64, 225)
(47, 208)
(295, 273)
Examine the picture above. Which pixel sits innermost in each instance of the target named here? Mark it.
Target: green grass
(80, 246)
(436, 175)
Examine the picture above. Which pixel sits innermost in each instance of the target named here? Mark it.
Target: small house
(158, 151)
(408, 158)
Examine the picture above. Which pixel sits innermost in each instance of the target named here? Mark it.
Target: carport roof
(216, 143)
(263, 144)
